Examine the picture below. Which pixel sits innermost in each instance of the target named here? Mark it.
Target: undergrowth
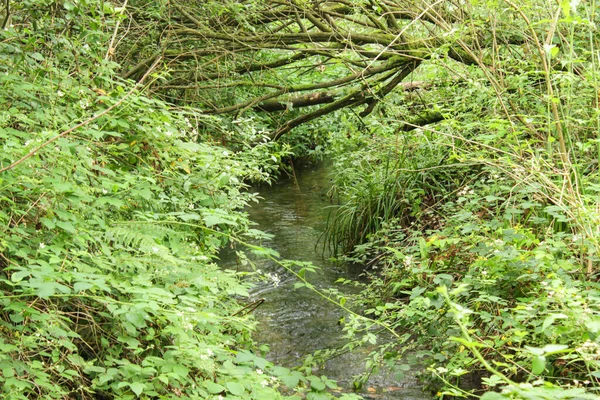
(480, 234)
(113, 208)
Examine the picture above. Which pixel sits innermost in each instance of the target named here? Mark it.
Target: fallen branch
(296, 102)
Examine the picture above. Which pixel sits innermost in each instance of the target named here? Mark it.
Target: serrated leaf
(593, 325)
(189, 217)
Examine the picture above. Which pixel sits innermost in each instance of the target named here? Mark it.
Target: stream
(297, 322)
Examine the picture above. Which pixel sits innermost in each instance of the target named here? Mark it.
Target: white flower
(155, 249)
(225, 153)
(264, 383)
(104, 191)
(60, 93)
(42, 245)
(259, 371)
(273, 277)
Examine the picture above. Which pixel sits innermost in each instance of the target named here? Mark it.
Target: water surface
(295, 323)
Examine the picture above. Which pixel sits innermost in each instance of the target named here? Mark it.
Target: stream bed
(297, 322)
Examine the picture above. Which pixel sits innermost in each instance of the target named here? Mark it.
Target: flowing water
(297, 322)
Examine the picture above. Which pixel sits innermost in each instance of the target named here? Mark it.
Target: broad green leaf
(316, 383)
(81, 286)
(538, 364)
(593, 325)
(181, 370)
(550, 320)
(136, 317)
(67, 226)
(46, 289)
(494, 396)
(19, 275)
(550, 349)
(137, 388)
(236, 388)
(214, 388)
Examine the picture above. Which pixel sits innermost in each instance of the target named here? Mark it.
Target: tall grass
(389, 178)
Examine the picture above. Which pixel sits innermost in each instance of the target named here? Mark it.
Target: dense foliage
(481, 232)
(464, 136)
(114, 206)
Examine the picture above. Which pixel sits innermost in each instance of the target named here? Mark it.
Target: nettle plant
(109, 232)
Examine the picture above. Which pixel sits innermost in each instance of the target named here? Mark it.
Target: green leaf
(494, 396)
(81, 286)
(316, 383)
(236, 388)
(19, 275)
(67, 226)
(593, 326)
(550, 320)
(291, 380)
(538, 364)
(46, 289)
(181, 370)
(136, 317)
(137, 388)
(189, 217)
(565, 5)
(550, 349)
(214, 388)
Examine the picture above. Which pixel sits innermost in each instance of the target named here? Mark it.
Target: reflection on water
(295, 323)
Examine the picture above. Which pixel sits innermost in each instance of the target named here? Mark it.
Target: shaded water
(295, 323)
